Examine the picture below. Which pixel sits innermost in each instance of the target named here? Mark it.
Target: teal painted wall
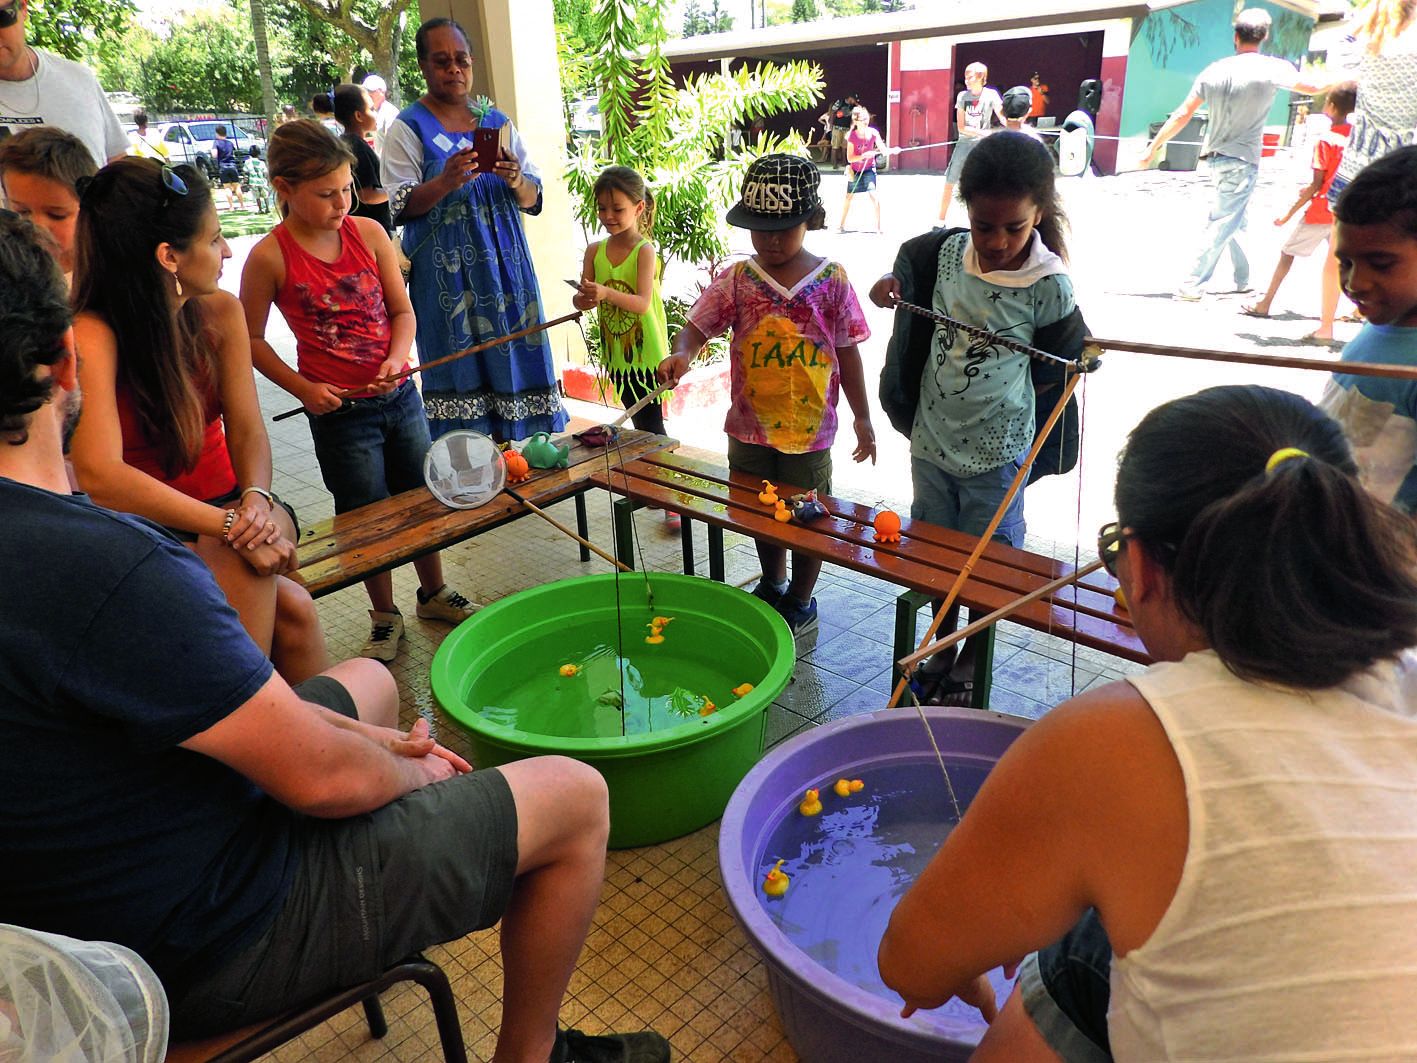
(1170, 47)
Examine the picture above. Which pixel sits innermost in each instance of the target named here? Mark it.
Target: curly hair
(1014, 164)
(34, 317)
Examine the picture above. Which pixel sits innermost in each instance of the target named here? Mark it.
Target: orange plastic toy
(517, 467)
(782, 514)
(887, 526)
(768, 495)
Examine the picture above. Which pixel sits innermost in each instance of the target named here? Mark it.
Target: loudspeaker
(1090, 96)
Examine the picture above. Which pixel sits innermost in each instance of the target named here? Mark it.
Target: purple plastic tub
(829, 1018)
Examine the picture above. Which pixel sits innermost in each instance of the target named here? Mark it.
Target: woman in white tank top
(1232, 835)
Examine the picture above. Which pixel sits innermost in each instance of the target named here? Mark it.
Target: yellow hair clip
(1283, 454)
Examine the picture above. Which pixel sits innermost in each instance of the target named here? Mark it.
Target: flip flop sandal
(1249, 311)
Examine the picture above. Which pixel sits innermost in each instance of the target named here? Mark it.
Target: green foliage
(206, 62)
(78, 29)
(698, 20)
(804, 11)
(677, 138)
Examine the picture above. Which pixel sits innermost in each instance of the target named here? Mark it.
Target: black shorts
(809, 472)
(433, 866)
(231, 501)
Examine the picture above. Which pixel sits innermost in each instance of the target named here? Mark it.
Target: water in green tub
(646, 688)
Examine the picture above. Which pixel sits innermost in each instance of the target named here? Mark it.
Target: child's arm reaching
(885, 293)
(584, 300)
(260, 280)
(687, 344)
(636, 302)
(853, 384)
(1308, 192)
(402, 324)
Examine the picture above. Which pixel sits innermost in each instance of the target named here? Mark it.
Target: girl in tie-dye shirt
(796, 324)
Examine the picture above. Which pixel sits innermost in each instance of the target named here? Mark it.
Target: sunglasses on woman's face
(9, 14)
(1110, 538)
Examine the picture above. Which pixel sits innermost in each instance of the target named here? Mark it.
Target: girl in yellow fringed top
(620, 275)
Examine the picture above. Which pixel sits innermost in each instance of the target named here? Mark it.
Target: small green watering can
(541, 453)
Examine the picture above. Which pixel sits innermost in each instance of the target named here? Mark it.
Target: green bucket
(632, 710)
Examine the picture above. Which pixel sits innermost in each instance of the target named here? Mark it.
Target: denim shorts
(865, 181)
(966, 503)
(1066, 989)
(372, 448)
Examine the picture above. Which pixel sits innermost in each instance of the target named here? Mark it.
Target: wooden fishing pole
(907, 664)
(574, 315)
(1273, 361)
(562, 528)
(967, 568)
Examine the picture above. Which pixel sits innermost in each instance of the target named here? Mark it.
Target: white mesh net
(69, 1001)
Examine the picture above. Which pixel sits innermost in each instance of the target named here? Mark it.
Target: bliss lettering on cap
(767, 197)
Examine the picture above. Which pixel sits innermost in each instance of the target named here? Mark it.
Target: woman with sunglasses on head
(471, 277)
(171, 428)
(1231, 834)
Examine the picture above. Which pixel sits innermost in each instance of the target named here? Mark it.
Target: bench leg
(686, 539)
(623, 515)
(582, 525)
(715, 549)
(910, 603)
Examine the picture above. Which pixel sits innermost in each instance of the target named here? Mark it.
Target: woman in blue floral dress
(472, 277)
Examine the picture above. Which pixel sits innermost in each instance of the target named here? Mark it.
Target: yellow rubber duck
(662, 621)
(569, 670)
(857, 786)
(775, 885)
(707, 708)
(811, 804)
(768, 495)
(842, 787)
(1121, 598)
(654, 638)
(743, 690)
(782, 514)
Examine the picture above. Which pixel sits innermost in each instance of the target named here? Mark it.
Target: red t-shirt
(336, 310)
(211, 478)
(1328, 151)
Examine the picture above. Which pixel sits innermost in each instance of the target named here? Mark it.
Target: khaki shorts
(838, 137)
(1305, 238)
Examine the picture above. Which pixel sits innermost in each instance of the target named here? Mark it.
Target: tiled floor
(664, 952)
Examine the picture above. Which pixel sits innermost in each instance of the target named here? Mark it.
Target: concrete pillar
(514, 62)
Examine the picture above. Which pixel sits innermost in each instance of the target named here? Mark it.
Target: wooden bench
(351, 547)
(925, 562)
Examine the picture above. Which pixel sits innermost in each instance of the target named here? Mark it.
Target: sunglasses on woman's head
(173, 184)
(9, 14)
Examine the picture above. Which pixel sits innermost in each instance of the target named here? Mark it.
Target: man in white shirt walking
(1238, 92)
(384, 110)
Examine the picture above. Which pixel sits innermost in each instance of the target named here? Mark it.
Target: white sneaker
(1188, 293)
(447, 604)
(385, 630)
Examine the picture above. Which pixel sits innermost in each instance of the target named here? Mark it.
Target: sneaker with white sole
(385, 630)
(445, 604)
(802, 619)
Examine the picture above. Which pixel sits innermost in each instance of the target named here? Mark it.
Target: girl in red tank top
(336, 280)
(172, 428)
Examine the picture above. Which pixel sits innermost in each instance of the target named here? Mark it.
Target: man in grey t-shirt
(40, 88)
(1238, 92)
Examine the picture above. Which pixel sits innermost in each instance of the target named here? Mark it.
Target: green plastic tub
(632, 710)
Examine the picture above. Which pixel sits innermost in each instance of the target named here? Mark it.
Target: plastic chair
(247, 1044)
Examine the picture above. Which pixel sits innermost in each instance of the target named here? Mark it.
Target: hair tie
(1283, 454)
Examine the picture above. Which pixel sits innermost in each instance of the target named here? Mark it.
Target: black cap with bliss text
(779, 192)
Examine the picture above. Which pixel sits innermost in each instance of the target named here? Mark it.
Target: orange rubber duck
(768, 495)
(775, 885)
(811, 804)
(742, 690)
(708, 708)
(842, 787)
(782, 514)
(569, 670)
(887, 525)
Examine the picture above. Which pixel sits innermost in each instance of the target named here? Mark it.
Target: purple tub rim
(828, 987)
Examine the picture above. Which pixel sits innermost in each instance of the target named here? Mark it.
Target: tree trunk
(263, 59)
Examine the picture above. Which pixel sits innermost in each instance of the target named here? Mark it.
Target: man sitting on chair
(161, 787)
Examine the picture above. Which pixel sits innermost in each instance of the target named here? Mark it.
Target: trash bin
(1183, 151)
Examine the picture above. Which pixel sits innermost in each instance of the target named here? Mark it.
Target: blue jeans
(372, 448)
(967, 503)
(1234, 181)
(1066, 989)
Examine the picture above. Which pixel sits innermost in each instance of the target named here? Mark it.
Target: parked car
(193, 142)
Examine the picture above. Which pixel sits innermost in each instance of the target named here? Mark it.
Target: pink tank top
(336, 310)
(211, 478)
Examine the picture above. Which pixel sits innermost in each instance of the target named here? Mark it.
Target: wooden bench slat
(351, 547)
(948, 551)
(1019, 560)
(927, 560)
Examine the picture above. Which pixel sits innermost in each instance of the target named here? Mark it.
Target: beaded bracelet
(228, 522)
